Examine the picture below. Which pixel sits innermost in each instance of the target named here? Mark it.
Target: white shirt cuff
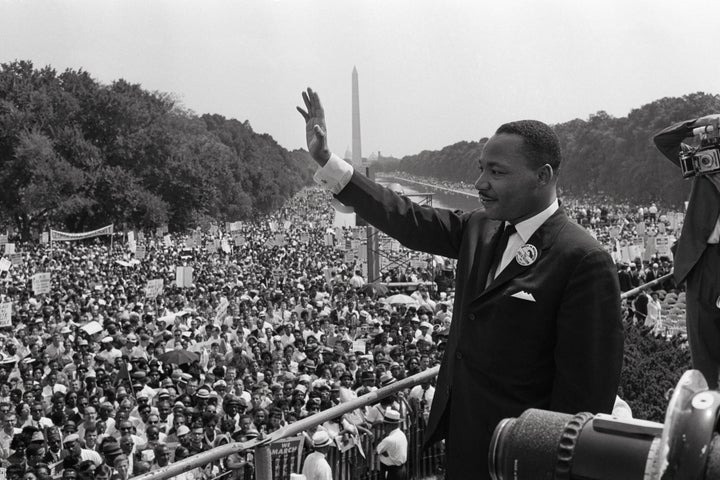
(335, 175)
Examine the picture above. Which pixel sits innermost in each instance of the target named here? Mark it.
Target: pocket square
(523, 295)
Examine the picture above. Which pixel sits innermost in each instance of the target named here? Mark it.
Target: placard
(5, 264)
(154, 288)
(359, 346)
(6, 314)
(15, 258)
(184, 277)
(41, 283)
(9, 248)
(140, 253)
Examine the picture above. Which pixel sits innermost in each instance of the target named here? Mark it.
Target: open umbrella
(374, 289)
(401, 299)
(178, 357)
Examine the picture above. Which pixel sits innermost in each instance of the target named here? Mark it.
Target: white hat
(321, 439)
(391, 416)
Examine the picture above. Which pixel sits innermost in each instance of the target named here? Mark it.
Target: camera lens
(548, 445)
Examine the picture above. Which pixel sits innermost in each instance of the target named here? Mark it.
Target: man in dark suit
(697, 257)
(536, 320)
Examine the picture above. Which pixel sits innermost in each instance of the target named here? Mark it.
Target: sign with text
(15, 258)
(41, 283)
(286, 455)
(154, 288)
(9, 248)
(6, 314)
(140, 253)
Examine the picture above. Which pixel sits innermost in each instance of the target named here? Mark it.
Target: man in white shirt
(392, 449)
(519, 258)
(316, 466)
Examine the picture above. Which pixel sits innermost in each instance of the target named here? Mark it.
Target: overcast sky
(432, 72)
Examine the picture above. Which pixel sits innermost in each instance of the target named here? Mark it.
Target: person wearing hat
(71, 443)
(316, 466)
(392, 449)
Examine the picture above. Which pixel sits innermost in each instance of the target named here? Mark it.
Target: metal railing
(339, 461)
(262, 451)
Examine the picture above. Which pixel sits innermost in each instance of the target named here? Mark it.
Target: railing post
(263, 463)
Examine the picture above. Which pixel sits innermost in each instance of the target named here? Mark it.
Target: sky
(431, 73)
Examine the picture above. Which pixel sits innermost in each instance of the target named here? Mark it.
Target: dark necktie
(499, 250)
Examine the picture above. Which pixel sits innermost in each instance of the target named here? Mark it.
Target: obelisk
(356, 146)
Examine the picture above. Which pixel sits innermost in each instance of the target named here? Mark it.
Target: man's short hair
(540, 141)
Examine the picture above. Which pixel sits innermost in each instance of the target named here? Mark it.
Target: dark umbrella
(178, 357)
(374, 290)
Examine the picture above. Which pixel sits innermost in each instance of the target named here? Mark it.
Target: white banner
(57, 236)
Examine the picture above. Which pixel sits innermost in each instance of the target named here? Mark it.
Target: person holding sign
(536, 320)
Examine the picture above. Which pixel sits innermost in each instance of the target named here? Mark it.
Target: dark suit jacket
(504, 355)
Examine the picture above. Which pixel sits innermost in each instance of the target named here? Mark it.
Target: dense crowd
(97, 380)
(100, 380)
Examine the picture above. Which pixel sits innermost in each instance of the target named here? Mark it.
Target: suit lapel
(542, 239)
(484, 257)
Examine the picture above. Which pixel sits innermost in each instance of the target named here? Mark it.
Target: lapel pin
(526, 255)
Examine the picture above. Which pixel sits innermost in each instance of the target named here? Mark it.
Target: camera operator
(697, 258)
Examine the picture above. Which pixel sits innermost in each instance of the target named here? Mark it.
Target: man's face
(507, 186)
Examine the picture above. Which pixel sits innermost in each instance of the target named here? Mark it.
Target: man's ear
(545, 174)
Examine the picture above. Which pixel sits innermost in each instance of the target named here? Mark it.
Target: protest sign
(225, 245)
(286, 456)
(3, 239)
(168, 240)
(140, 253)
(154, 288)
(6, 314)
(15, 258)
(5, 265)
(304, 238)
(359, 346)
(184, 277)
(9, 248)
(41, 283)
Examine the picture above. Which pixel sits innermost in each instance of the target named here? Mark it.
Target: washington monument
(356, 146)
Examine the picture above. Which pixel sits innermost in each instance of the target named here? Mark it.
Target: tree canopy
(601, 155)
(77, 154)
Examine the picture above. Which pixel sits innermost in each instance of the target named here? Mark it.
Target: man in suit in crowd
(697, 257)
(536, 320)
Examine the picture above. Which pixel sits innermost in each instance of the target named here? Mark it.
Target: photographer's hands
(315, 128)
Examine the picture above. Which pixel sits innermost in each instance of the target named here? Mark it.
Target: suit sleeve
(433, 230)
(668, 141)
(589, 348)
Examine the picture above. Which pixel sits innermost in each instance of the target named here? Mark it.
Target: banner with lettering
(57, 236)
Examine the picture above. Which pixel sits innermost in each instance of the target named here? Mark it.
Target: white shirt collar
(526, 228)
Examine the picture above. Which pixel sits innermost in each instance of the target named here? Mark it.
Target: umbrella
(401, 299)
(178, 357)
(374, 290)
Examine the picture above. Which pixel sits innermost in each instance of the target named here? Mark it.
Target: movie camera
(547, 445)
(705, 158)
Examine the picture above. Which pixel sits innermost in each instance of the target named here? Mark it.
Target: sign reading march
(154, 288)
(41, 283)
(286, 456)
(6, 314)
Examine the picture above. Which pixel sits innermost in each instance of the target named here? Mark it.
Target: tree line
(602, 155)
(77, 154)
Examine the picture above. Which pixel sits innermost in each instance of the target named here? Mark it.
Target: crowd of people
(266, 333)
(101, 379)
